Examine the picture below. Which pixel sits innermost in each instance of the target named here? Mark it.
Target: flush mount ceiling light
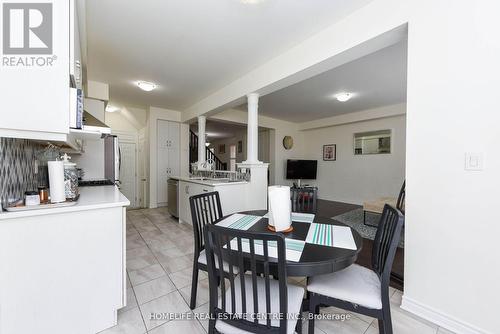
(343, 97)
(146, 86)
(110, 108)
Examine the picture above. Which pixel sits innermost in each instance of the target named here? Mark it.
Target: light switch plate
(474, 161)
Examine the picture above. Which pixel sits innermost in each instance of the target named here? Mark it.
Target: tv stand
(299, 185)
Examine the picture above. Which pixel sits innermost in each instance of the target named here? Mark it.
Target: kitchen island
(235, 196)
(63, 269)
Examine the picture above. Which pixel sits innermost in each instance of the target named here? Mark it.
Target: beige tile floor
(159, 260)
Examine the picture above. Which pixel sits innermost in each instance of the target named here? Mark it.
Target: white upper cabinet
(35, 70)
(174, 136)
(168, 163)
(75, 53)
(163, 133)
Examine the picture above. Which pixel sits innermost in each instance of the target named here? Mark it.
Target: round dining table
(315, 259)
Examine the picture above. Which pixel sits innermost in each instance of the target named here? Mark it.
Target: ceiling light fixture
(110, 108)
(146, 86)
(343, 97)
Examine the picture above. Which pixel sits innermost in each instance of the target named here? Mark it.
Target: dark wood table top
(315, 259)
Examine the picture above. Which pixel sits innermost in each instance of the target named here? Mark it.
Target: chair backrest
(304, 199)
(401, 198)
(386, 241)
(247, 251)
(205, 209)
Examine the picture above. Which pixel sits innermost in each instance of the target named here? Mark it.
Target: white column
(201, 140)
(253, 129)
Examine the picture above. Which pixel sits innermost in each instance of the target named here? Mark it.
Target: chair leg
(381, 326)
(386, 322)
(298, 327)
(211, 326)
(194, 287)
(314, 309)
(364, 220)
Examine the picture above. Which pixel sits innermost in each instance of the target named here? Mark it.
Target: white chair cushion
(295, 297)
(203, 259)
(354, 284)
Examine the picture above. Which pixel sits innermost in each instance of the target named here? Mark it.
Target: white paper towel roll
(280, 207)
(56, 181)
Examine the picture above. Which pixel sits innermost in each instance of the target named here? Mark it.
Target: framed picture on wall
(330, 152)
(240, 146)
(222, 148)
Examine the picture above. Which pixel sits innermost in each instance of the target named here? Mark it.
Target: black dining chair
(253, 302)
(359, 289)
(205, 209)
(400, 204)
(304, 199)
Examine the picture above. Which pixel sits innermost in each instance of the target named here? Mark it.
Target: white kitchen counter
(211, 183)
(91, 198)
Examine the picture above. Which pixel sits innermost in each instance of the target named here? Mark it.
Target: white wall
(356, 178)
(451, 255)
(117, 122)
(92, 160)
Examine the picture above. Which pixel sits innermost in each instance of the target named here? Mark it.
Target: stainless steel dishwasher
(173, 203)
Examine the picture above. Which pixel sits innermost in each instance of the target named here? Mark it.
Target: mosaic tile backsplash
(17, 167)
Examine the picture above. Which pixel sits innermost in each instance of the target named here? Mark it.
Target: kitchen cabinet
(232, 196)
(35, 103)
(73, 276)
(168, 164)
(75, 53)
(186, 190)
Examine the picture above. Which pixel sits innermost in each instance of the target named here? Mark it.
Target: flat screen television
(301, 169)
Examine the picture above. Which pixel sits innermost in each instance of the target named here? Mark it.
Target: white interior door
(128, 172)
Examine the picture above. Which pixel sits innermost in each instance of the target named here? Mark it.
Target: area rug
(354, 219)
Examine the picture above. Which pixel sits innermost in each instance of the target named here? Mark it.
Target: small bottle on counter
(31, 198)
(43, 192)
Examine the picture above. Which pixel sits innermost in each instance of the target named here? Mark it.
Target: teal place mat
(239, 221)
(331, 236)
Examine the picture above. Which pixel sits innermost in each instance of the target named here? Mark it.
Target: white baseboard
(437, 317)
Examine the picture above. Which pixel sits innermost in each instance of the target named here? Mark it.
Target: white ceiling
(378, 79)
(192, 48)
(220, 130)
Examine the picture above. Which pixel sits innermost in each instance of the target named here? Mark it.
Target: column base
(247, 162)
